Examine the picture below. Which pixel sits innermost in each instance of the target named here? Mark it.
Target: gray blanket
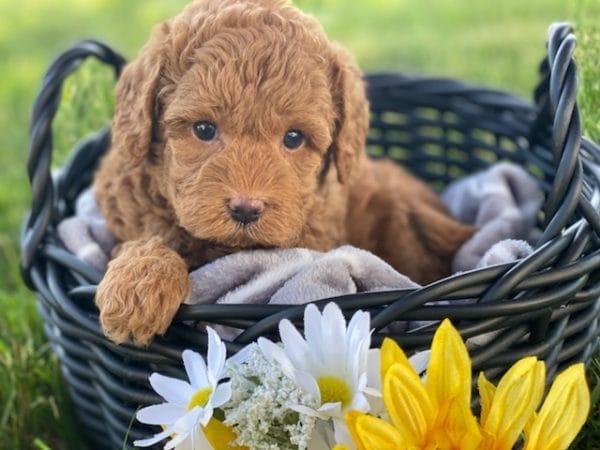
(501, 201)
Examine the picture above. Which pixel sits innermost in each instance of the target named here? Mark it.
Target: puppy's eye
(205, 130)
(293, 139)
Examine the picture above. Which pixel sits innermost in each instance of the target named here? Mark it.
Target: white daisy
(331, 364)
(189, 405)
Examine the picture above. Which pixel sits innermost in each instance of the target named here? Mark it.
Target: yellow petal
(456, 427)
(391, 353)
(351, 417)
(528, 425)
(220, 436)
(449, 371)
(487, 442)
(408, 404)
(486, 394)
(517, 396)
(340, 447)
(377, 434)
(563, 413)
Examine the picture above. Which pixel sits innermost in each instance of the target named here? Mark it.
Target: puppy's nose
(245, 210)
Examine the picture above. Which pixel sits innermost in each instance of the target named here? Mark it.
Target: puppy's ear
(352, 120)
(136, 106)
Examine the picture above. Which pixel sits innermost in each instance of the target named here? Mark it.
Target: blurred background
(493, 43)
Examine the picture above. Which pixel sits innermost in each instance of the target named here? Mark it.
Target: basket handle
(559, 122)
(40, 142)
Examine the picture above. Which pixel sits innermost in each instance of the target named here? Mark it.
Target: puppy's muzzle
(245, 210)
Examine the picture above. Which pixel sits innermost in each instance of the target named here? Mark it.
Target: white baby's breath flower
(258, 409)
(189, 405)
(331, 365)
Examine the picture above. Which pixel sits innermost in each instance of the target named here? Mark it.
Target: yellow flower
(433, 415)
(436, 414)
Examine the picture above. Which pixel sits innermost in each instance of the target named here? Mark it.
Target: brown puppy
(240, 126)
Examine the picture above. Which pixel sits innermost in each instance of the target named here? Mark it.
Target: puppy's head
(239, 108)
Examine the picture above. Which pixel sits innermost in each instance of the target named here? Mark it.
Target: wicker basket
(546, 304)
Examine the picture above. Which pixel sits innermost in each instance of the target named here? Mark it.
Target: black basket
(546, 304)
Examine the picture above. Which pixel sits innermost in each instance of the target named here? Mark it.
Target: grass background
(494, 43)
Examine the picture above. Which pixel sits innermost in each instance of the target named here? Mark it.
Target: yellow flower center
(200, 398)
(334, 389)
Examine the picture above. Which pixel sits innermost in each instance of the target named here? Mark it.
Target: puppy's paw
(141, 291)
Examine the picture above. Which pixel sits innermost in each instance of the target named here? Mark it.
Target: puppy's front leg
(141, 291)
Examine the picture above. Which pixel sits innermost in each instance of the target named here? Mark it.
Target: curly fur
(256, 68)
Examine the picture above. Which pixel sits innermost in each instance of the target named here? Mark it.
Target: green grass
(585, 14)
(588, 56)
(494, 43)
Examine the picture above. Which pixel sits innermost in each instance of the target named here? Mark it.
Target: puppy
(241, 126)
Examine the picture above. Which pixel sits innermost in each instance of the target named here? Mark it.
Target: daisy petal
(360, 403)
(205, 415)
(420, 361)
(313, 331)
(331, 409)
(154, 439)
(322, 436)
(359, 331)
(190, 420)
(372, 392)
(195, 367)
(274, 352)
(306, 411)
(171, 389)
(307, 383)
(373, 365)
(177, 440)
(295, 346)
(333, 329)
(188, 444)
(165, 413)
(341, 432)
(216, 356)
(196, 440)
(241, 356)
(221, 395)
(362, 381)
(358, 342)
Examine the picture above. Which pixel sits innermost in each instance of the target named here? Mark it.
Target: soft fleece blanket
(501, 201)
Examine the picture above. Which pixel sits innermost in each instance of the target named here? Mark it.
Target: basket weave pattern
(547, 304)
